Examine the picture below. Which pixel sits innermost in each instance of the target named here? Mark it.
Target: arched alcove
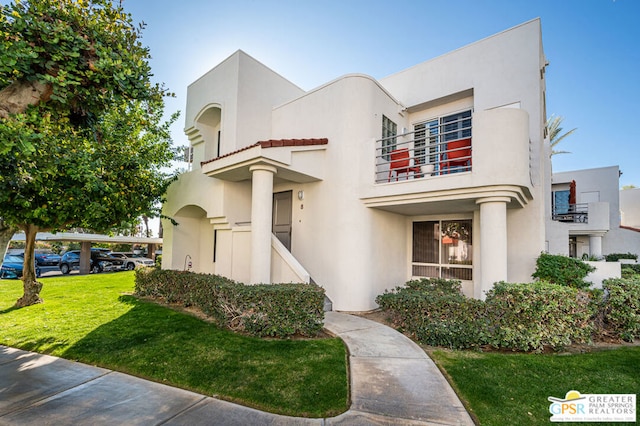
(192, 240)
(208, 123)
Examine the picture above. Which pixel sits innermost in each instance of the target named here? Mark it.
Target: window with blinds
(431, 136)
(443, 249)
(389, 131)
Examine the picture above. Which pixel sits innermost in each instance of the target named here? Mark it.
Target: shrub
(562, 270)
(523, 317)
(591, 258)
(436, 312)
(437, 286)
(621, 308)
(614, 257)
(276, 310)
(628, 270)
(533, 316)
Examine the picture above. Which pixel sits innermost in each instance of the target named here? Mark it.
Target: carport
(87, 239)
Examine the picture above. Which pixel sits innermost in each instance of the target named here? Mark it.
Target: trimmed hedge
(628, 270)
(434, 311)
(274, 310)
(621, 308)
(532, 316)
(562, 270)
(614, 257)
(527, 317)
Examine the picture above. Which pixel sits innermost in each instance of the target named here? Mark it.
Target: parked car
(12, 267)
(131, 260)
(100, 261)
(47, 258)
(117, 264)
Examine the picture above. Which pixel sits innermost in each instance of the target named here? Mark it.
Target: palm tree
(554, 130)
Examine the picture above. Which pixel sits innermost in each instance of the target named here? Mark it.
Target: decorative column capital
(597, 234)
(496, 199)
(263, 167)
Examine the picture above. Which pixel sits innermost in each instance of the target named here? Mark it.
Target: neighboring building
(630, 208)
(440, 170)
(587, 206)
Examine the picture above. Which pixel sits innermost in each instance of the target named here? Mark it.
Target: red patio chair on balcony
(458, 155)
(401, 163)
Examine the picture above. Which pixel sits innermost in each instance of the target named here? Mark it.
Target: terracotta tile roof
(273, 143)
(293, 142)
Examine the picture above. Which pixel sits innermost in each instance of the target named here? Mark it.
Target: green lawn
(93, 319)
(511, 388)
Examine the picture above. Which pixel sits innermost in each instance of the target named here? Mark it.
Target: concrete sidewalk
(393, 382)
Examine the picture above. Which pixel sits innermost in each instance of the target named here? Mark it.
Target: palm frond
(554, 130)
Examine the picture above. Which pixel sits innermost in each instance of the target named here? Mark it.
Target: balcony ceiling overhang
(447, 201)
(283, 155)
(584, 229)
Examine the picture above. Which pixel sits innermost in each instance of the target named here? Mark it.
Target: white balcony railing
(418, 155)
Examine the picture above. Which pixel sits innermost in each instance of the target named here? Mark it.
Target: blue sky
(593, 47)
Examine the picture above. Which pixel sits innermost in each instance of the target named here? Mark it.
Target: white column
(261, 211)
(493, 243)
(595, 245)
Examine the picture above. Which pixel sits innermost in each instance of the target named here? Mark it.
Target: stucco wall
(604, 271)
(352, 251)
(502, 70)
(595, 185)
(246, 91)
(630, 207)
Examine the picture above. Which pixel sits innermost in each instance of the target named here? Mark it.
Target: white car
(132, 260)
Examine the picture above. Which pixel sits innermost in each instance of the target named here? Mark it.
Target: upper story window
(560, 202)
(433, 142)
(187, 156)
(456, 126)
(439, 146)
(564, 206)
(389, 131)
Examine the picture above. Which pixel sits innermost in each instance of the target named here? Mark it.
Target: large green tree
(83, 142)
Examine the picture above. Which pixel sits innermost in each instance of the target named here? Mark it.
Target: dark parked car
(12, 267)
(100, 261)
(47, 258)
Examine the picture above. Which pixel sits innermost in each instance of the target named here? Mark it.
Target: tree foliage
(85, 52)
(83, 142)
(556, 136)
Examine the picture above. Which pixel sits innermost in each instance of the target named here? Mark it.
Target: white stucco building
(587, 214)
(440, 170)
(630, 208)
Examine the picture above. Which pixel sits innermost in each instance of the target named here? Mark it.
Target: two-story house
(587, 214)
(440, 170)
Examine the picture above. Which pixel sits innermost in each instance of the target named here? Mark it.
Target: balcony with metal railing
(571, 213)
(440, 166)
(583, 218)
(435, 150)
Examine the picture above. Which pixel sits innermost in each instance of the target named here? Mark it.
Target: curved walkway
(393, 382)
